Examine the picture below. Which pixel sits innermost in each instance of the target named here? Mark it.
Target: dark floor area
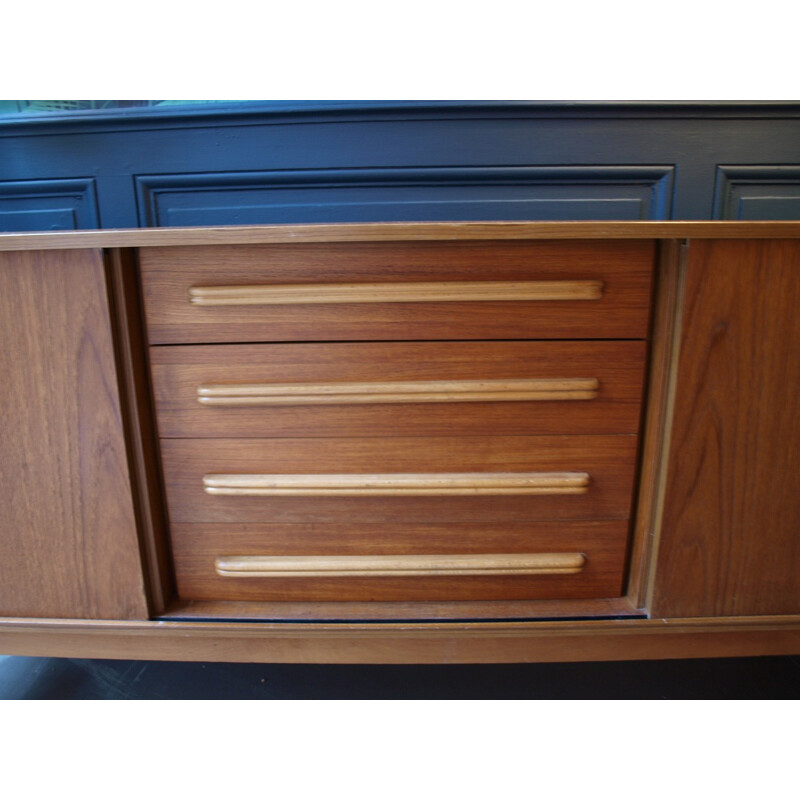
(731, 678)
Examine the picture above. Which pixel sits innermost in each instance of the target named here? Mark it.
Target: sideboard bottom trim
(404, 643)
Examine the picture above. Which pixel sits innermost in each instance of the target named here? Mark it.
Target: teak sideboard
(387, 443)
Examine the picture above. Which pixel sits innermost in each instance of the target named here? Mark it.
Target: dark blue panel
(769, 192)
(507, 193)
(350, 161)
(770, 208)
(394, 211)
(47, 219)
(48, 205)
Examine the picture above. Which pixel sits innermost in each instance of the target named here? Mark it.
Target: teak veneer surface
(656, 418)
(609, 461)
(139, 419)
(427, 610)
(179, 371)
(196, 547)
(405, 643)
(622, 310)
(726, 538)
(68, 539)
(730, 541)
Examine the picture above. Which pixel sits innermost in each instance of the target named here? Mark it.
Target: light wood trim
(405, 484)
(397, 232)
(267, 394)
(399, 566)
(422, 292)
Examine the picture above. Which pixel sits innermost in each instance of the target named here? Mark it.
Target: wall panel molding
(48, 205)
(280, 112)
(286, 162)
(405, 195)
(757, 192)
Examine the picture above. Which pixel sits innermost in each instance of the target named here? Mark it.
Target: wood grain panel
(409, 643)
(197, 547)
(68, 541)
(657, 416)
(730, 542)
(609, 461)
(623, 268)
(179, 371)
(587, 608)
(139, 418)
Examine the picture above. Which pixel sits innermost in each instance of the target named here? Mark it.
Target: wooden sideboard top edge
(394, 231)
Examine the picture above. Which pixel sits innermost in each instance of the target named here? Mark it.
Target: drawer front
(398, 389)
(363, 562)
(486, 479)
(397, 291)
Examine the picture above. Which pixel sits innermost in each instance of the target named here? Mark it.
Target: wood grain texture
(657, 418)
(609, 460)
(139, 421)
(503, 391)
(198, 546)
(69, 544)
(416, 484)
(179, 371)
(416, 565)
(395, 232)
(402, 292)
(624, 268)
(730, 542)
(409, 643)
(584, 608)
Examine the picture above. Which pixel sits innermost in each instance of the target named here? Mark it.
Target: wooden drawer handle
(415, 484)
(266, 394)
(399, 566)
(450, 291)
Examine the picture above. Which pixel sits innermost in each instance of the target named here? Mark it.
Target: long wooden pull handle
(399, 566)
(431, 292)
(415, 484)
(267, 394)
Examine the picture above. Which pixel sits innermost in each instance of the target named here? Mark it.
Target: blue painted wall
(354, 162)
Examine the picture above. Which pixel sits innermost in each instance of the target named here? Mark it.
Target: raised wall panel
(757, 192)
(404, 195)
(48, 205)
(610, 147)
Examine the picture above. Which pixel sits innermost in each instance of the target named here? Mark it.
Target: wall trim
(313, 111)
